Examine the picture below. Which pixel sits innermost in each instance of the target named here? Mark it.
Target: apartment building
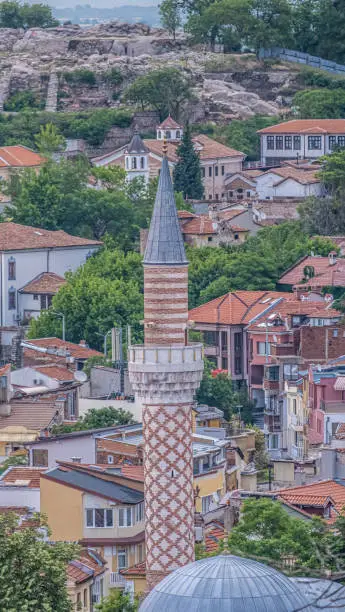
(301, 139)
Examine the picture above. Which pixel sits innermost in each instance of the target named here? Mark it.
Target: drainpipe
(326, 347)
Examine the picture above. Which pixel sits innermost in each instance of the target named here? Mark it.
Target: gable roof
(89, 564)
(294, 275)
(304, 177)
(46, 283)
(78, 351)
(93, 484)
(16, 237)
(31, 415)
(237, 307)
(18, 475)
(18, 156)
(200, 225)
(57, 372)
(335, 489)
(305, 126)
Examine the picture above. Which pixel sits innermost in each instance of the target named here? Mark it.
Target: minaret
(137, 159)
(165, 373)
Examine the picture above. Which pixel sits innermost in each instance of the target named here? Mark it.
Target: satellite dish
(80, 376)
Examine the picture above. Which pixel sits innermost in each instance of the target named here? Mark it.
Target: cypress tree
(187, 172)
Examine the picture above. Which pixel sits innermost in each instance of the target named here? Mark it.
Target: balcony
(297, 421)
(116, 580)
(297, 451)
(283, 350)
(332, 406)
(271, 385)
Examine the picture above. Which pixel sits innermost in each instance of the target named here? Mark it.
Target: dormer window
(11, 269)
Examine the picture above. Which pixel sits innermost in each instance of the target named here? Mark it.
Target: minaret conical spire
(165, 243)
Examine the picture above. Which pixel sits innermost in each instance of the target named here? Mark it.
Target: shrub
(114, 76)
(23, 100)
(81, 76)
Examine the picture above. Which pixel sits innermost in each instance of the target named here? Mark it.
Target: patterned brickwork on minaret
(165, 374)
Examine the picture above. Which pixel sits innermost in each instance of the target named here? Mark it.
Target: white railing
(116, 579)
(141, 354)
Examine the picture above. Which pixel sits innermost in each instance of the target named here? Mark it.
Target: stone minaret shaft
(165, 374)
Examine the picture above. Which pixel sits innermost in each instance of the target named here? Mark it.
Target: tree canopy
(170, 14)
(16, 15)
(187, 171)
(33, 571)
(95, 418)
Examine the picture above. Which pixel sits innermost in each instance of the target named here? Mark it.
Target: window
(110, 459)
(196, 466)
(205, 503)
(332, 142)
(223, 170)
(274, 441)
(294, 406)
(46, 301)
(335, 333)
(127, 163)
(238, 365)
(279, 142)
(209, 239)
(11, 269)
(140, 553)
(139, 512)
(236, 236)
(12, 299)
(35, 296)
(261, 348)
(134, 163)
(231, 194)
(288, 142)
(168, 134)
(99, 517)
(341, 141)
(121, 558)
(217, 196)
(39, 457)
(78, 601)
(125, 517)
(318, 426)
(216, 171)
(290, 371)
(297, 143)
(85, 598)
(142, 162)
(248, 194)
(178, 134)
(210, 196)
(210, 171)
(203, 172)
(159, 134)
(314, 142)
(270, 142)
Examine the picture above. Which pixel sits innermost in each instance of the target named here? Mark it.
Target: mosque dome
(226, 583)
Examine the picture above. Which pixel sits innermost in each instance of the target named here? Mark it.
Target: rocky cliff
(227, 86)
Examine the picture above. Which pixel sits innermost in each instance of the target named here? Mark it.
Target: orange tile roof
(156, 147)
(307, 500)
(333, 277)
(116, 446)
(133, 472)
(18, 156)
(212, 149)
(295, 274)
(305, 177)
(238, 228)
(185, 214)
(85, 567)
(230, 214)
(169, 122)
(16, 474)
(290, 307)
(305, 126)
(32, 415)
(235, 307)
(326, 488)
(200, 225)
(4, 370)
(46, 283)
(56, 371)
(77, 351)
(15, 237)
(214, 535)
(136, 570)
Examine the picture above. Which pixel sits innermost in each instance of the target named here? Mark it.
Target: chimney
(332, 258)
(82, 343)
(76, 459)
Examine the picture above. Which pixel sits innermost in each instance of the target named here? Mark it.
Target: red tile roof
(307, 126)
(211, 149)
(77, 351)
(295, 274)
(15, 237)
(136, 570)
(333, 277)
(169, 122)
(56, 371)
(200, 225)
(117, 447)
(214, 535)
(85, 567)
(46, 283)
(326, 488)
(32, 415)
(133, 472)
(185, 214)
(18, 156)
(305, 177)
(236, 307)
(17, 475)
(238, 228)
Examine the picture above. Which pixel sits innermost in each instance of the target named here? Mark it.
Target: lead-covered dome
(225, 583)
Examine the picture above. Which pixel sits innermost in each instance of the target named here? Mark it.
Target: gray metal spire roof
(225, 584)
(165, 243)
(136, 145)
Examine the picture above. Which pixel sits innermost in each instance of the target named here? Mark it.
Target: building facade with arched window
(169, 130)
(137, 159)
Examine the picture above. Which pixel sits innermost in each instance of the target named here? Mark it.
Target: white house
(20, 488)
(50, 376)
(288, 182)
(33, 262)
(301, 139)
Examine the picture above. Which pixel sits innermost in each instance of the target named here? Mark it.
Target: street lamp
(105, 336)
(60, 314)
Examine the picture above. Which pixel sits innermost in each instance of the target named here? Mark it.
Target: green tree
(21, 459)
(170, 16)
(37, 16)
(117, 601)
(49, 140)
(306, 25)
(23, 100)
(106, 292)
(33, 575)
(166, 90)
(272, 25)
(187, 171)
(320, 103)
(331, 22)
(10, 15)
(95, 418)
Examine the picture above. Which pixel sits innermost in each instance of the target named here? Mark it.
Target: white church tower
(137, 159)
